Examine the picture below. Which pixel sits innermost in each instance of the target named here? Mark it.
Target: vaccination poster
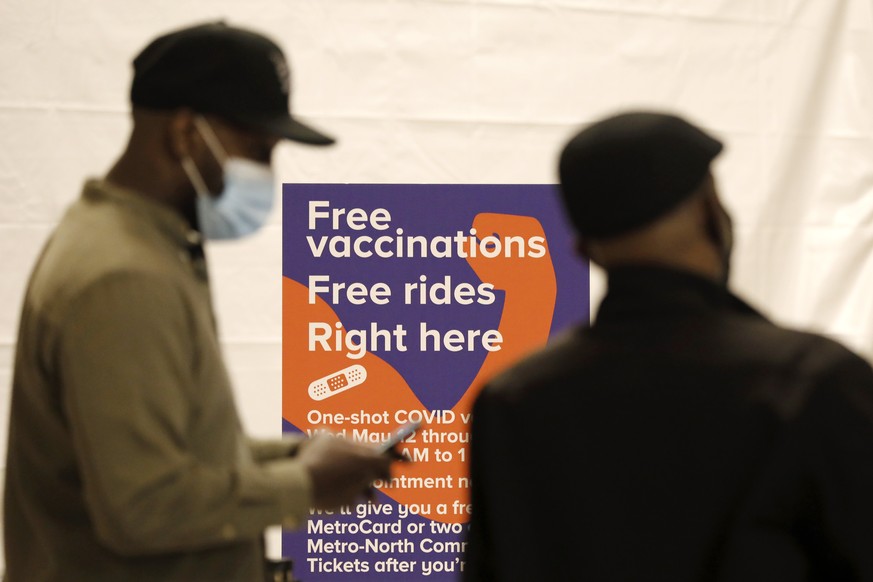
(399, 301)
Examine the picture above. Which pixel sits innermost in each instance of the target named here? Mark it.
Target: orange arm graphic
(530, 292)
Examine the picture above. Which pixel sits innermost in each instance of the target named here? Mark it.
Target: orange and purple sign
(399, 302)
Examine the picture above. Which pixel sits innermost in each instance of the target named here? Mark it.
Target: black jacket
(681, 437)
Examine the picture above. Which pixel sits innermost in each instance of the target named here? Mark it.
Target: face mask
(244, 205)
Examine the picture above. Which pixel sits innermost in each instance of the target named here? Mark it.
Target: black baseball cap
(237, 74)
(628, 169)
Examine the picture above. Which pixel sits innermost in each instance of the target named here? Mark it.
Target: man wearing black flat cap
(682, 436)
(126, 458)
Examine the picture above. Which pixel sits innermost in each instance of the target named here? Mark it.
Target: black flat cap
(237, 74)
(628, 169)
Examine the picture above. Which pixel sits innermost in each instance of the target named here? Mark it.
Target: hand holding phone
(397, 436)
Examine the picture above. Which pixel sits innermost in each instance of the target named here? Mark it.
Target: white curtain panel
(475, 91)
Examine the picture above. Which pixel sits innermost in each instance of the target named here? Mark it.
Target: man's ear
(585, 248)
(181, 133)
(581, 246)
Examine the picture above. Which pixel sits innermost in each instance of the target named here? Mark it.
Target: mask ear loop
(211, 139)
(195, 178)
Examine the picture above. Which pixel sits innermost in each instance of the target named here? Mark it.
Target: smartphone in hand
(397, 436)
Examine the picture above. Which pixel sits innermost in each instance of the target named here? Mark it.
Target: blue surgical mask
(244, 205)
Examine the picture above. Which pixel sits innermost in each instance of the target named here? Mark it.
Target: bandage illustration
(338, 382)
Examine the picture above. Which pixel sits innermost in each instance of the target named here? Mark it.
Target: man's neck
(140, 174)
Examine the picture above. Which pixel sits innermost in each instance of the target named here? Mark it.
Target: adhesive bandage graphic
(338, 382)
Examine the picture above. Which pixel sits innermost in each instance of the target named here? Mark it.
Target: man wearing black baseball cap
(682, 436)
(126, 458)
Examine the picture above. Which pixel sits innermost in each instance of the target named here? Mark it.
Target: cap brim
(288, 127)
(293, 129)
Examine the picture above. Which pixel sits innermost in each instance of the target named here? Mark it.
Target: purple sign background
(437, 378)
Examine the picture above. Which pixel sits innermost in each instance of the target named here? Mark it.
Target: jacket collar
(645, 291)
